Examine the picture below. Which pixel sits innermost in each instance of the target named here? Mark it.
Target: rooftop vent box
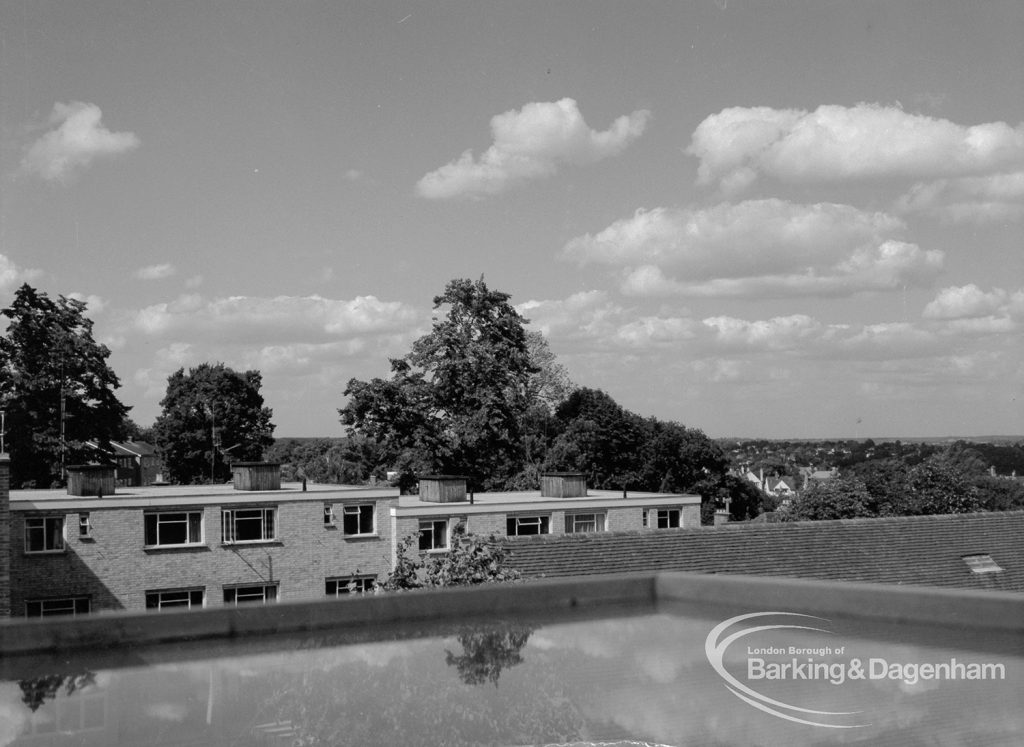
(563, 485)
(91, 480)
(442, 488)
(256, 475)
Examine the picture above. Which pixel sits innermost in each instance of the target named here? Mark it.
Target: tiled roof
(920, 550)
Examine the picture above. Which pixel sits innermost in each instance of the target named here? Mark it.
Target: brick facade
(5, 535)
(114, 569)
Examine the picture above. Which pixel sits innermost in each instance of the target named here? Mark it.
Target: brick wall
(5, 536)
(115, 570)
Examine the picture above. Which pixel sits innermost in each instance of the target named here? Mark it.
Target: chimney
(563, 485)
(443, 488)
(5, 536)
(256, 475)
(97, 480)
(722, 517)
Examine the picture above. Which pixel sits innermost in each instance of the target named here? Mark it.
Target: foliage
(470, 560)
(212, 416)
(837, 498)
(35, 692)
(51, 369)
(487, 650)
(456, 402)
(338, 461)
(939, 488)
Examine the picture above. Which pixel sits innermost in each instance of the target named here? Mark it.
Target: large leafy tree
(212, 416)
(53, 372)
(456, 402)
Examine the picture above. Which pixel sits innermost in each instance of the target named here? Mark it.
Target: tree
(456, 402)
(55, 386)
(469, 561)
(212, 416)
(838, 498)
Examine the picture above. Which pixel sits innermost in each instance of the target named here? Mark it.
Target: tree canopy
(456, 401)
(211, 416)
(53, 372)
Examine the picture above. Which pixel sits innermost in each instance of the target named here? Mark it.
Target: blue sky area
(790, 219)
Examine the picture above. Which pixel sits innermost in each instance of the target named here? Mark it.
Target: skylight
(982, 564)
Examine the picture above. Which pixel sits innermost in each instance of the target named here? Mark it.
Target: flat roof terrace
(190, 495)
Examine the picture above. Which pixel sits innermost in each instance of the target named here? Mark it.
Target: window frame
(515, 523)
(446, 535)
(47, 534)
(189, 602)
(669, 511)
(188, 522)
(357, 510)
(264, 597)
(599, 519)
(229, 520)
(76, 602)
(363, 585)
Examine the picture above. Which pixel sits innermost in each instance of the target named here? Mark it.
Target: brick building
(101, 546)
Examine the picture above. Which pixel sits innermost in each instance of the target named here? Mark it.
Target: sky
(777, 220)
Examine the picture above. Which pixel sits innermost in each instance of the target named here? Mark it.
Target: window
(248, 525)
(982, 564)
(434, 534)
(328, 515)
(84, 526)
(661, 518)
(168, 598)
(579, 523)
(341, 585)
(174, 528)
(44, 534)
(49, 607)
(517, 526)
(358, 519)
(258, 593)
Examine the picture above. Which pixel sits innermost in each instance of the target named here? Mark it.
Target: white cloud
(77, 139)
(11, 275)
(757, 248)
(94, 304)
(976, 199)
(287, 319)
(194, 282)
(773, 334)
(587, 314)
(967, 301)
(832, 143)
(529, 144)
(156, 272)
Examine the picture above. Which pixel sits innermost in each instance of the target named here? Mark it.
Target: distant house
(811, 476)
(137, 462)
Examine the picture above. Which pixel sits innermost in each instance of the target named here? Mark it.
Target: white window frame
(229, 524)
(250, 593)
(340, 586)
(597, 519)
(652, 517)
(35, 524)
(514, 525)
(446, 532)
(357, 510)
(72, 606)
(187, 598)
(193, 527)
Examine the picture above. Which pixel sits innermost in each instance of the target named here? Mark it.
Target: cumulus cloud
(77, 138)
(155, 272)
(94, 304)
(757, 248)
(587, 314)
(529, 144)
(977, 199)
(280, 319)
(832, 143)
(11, 275)
(967, 301)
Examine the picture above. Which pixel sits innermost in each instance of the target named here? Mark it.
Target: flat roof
(412, 505)
(163, 495)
